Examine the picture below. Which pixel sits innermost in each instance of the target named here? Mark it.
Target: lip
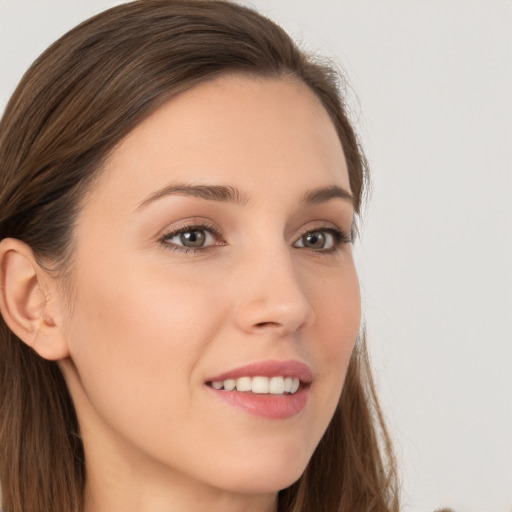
(274, 407)
(270, 368)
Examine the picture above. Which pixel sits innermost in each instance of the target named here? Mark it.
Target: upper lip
(269, 368)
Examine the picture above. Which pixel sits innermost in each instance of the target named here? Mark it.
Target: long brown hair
(77, 101)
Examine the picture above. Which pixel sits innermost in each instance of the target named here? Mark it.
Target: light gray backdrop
(431, 93)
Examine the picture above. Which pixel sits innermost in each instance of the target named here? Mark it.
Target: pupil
(192, 238)
(315, 240)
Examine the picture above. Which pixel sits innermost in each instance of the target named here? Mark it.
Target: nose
(272, 299)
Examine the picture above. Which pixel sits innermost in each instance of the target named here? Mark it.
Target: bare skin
(268, 277)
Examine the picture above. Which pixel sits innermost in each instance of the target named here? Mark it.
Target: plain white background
(430, 88)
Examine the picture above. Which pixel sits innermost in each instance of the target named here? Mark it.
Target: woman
(179, 192)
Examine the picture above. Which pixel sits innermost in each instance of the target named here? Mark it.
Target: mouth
(269, 389)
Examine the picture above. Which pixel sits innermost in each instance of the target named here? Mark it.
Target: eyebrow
(221, 193)
(323, 194)
(230, 194)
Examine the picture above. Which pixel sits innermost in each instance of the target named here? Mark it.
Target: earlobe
(26, 300)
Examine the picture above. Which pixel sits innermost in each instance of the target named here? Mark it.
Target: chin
(265, 482)
(263, 477)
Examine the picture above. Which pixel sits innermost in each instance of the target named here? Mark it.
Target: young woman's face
(215, 247)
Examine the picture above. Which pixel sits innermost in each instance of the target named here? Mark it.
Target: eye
(192, 238)
(325, 240)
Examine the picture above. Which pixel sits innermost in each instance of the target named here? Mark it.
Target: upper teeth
(272, 385)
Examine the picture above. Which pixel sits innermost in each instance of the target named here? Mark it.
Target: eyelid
(341, 237)
(192, 225)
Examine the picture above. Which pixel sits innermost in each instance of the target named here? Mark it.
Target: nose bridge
(273, 296)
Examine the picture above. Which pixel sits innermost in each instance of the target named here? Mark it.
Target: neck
(125, 496)
(121, 479)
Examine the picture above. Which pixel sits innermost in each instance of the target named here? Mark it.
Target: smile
(269, 389)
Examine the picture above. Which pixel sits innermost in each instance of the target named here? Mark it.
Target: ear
(28, 300)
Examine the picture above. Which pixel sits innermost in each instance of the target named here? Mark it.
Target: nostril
(266, 324)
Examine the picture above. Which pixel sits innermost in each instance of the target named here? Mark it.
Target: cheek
(338, 316)
(136, 336)
(337, 305)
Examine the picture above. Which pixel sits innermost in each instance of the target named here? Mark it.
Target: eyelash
(187, 228)
(340, 238)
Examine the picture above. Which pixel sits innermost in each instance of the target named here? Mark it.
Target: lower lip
(276, 407)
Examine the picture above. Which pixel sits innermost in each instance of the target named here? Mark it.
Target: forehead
(246, 131)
